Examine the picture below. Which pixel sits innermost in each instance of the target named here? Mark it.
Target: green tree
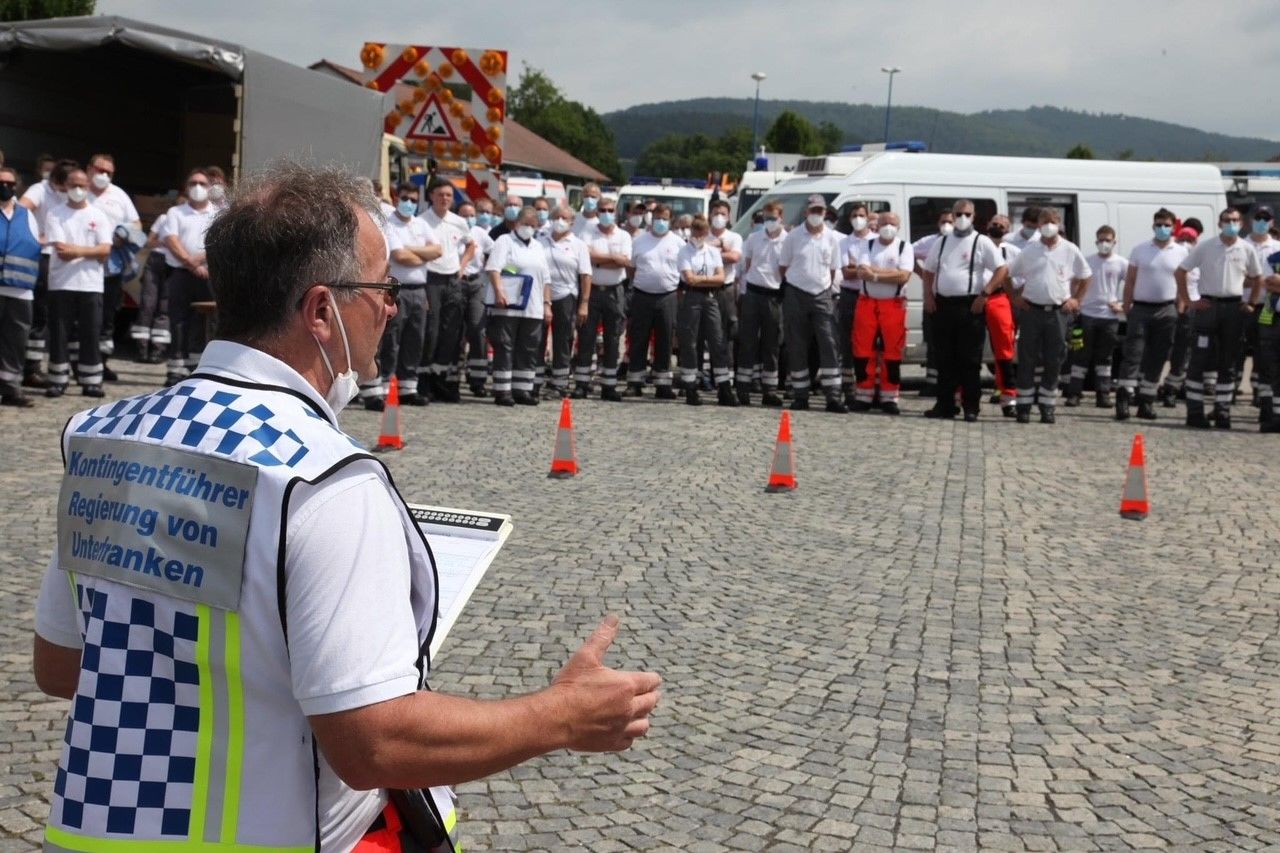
(1080, 152)
(792, 133)
(1126, 154)
(538, 104)
(679, 155)
(830, 138)
(30, 10)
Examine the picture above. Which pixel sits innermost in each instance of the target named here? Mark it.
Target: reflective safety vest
(184, 731)
(19, 251)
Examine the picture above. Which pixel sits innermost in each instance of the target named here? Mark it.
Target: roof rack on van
(912, 145)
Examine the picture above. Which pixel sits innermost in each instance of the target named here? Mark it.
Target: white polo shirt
(958, 263)
(1106, 285)
(699, 260)
(616, 242)
(760, 256)
(484, 245)
(568, 259)
(189, 226)
(1265, 249)
(1155, 264)
(511, 254)
(728, 241)
(847, 247)
(88, 226)
(812, 260)
(1223, 268)
(44, 198)
(1008, 254)
(656, 262)
(1048, 272)
(401, 234)
(873, 252)
(584, 228)
(116, 203)
(453, 233)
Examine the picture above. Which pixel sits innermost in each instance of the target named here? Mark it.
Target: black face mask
(995, 232)
(7, 191)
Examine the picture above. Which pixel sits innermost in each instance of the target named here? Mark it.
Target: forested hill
(1038, 131)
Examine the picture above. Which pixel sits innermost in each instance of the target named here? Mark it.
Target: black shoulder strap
(973, 256)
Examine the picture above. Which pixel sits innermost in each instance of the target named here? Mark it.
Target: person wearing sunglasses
(413, 245)
(610, 250)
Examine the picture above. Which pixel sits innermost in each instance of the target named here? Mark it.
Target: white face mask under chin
(345, 385)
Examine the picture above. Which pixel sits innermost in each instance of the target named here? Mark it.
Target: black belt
(441, 277)
(967, 298)
(1036, 306)
(416, 286)
(761, 290)
(1153, 304)
(1222, 298)
(471, 279)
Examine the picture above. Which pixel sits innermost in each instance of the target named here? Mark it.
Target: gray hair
(289, 228)
(528, 212)
(962, 202)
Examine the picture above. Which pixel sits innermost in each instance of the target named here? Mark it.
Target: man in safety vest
(19, 268)
(239, 604)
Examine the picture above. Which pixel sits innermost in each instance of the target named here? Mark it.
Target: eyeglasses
(391, 287)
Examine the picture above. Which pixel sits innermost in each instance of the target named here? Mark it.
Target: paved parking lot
(946, 638)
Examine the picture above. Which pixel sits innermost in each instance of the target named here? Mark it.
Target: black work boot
(1023, 413)
(1168, 396)
(1103, 400)
(1122, 404)
(1222, 416)
(744, 395)
(691, 395)
(1146, 409)
(835, 406)
(800, 401)
(724, 395)
(1267, 414)
(771, 399)
(1195, 416)
(1048, 415)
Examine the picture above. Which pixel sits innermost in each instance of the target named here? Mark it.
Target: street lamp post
(755, 112)
(888, 104)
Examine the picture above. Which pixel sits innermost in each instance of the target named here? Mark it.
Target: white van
(1090, 193)
(682, 196)
(531, 186)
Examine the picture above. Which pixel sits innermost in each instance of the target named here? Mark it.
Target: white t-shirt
(922, 247)
(511, 254)
(1048, 272)
(189, 226)
(958, 263)
(19, 292)
(44, 198)
(616, 242)
(454, 234)
(1009, 254)
(699, 260)
(897, 255)
(812, 260)
(1018, 241)
(847, 246)
(584, 228)
(88, 226)
(484, 245)
(1155, 265)
(117, 204)
(655, 260)
(568, 259)
(760, 257)
(1265, 249)
(1106, 286)
(400, 234)
(1223, 268)
(729, 241)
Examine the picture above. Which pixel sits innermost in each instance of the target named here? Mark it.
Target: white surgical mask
(1105, 247)
(858, 223)
(559, 227)
(217, 192)
(773, 226)
(946, 229)
(683, 232)
(198, 193)
(1028, 231)
(1049, 230)
(101, 180)
(589, 203)
(636, 221)
(888, 232)
(77, 194)
(524, 232)
(963, 222)
(698, 242)
(719, 221)
(44, 176)
(345, 385)
(815, 219)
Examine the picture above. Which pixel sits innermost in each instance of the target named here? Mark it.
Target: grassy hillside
(1038, 131)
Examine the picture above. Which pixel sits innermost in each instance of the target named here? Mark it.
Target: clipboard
(517, 289)
(464, 543)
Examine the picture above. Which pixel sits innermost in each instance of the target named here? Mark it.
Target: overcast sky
(1201, 64)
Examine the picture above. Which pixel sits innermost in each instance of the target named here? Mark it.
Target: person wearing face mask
(1002, 331)
(150, 329)
(40, 199)
(184, 229)
(636, 220)
(921, 248)
(570, 263)
(477, 216)
(809, 264)
(446, 304)
(1151, 316)
(1174, 386)
(730, 245)
(610, 252)
(1030, 230)
(1269, 346)
(656, 276)
(80, 235)
(760, 329)
(701, 277)
(542, 207)
(850, 289)
(1100, 309)
(516, 332)
(955, 294)
(217, 187)
(1230, 285)
(1259, 222)
(883, 264)
(1053, 275)
(19, 268)
(106, 195)
(584, 224)
(315, 638)
(413, 244)
(512, 206)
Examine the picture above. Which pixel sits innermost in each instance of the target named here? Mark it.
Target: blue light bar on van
(912, 145)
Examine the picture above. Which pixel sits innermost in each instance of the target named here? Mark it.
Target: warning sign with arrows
(431, 124)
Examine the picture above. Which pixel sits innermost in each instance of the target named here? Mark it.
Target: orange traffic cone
(564, 464)
(391, 434)
(1133, 502)
(782, 477)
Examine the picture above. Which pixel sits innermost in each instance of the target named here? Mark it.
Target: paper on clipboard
(516, 288)
(464, 543)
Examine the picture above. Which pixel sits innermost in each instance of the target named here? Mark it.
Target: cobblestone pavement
(945, 639)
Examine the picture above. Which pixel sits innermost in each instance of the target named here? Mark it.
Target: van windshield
(793, 209)
(679, 204)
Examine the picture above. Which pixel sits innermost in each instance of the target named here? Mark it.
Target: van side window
(924, 213)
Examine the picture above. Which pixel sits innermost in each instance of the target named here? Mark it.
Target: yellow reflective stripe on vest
(235, 731)
(60, 840)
